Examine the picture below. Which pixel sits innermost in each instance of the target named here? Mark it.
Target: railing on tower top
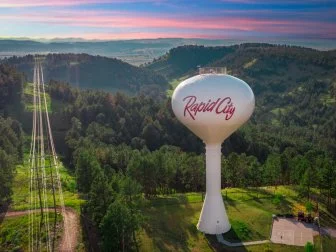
(212, 70)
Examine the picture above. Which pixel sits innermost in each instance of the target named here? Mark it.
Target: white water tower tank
(213, 105)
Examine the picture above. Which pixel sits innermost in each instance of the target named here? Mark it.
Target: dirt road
(69, 238)
(71, 229)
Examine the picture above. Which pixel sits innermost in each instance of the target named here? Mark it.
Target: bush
(309, 206)
(69, 185)
(277, 199)
(241, 229)
(309, 247)
(268, 248)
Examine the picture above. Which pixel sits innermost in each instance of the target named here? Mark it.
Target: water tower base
(213, 218)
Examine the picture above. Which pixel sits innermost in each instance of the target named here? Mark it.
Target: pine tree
(101, 196)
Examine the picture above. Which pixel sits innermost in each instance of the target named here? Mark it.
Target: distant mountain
(136, 51)
(87, 71)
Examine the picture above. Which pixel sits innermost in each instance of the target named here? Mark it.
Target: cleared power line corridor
(45, 185)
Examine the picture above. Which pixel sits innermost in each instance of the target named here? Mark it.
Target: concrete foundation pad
(292, 232)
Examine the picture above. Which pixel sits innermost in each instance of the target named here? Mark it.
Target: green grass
(277, 111)
(269, 247)
(252, 209)
(174, 83)
(172, 227)
(29, 96)
(328, 243)
(14, 232)
(170, 221)
(21, 195)
(250, 63)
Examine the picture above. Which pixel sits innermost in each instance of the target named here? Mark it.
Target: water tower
(213, 105)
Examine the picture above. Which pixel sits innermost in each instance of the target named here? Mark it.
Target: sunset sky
(132, 19)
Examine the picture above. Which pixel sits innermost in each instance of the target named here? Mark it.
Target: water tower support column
(213, 219)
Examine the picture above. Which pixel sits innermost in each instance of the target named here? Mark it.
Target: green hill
(294, 86)
(95, 72)
(256, 58)
(267, 68)
(181, 60)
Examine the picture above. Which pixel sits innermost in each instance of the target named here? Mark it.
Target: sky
(142, 19)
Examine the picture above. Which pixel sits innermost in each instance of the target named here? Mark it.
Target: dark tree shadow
(168, 222)
(3, 211)
(216, 246)
(90, 233)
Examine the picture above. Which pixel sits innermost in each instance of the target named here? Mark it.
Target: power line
(42, 153)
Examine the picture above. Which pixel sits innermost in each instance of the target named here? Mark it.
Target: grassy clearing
(21, 196)
(172, 227)
(173, 84)
(170, 221)
(29, 96)
(250, 63)
(277, 111)
(14, 232)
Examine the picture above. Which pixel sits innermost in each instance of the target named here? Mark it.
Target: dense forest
(100, 120)
(95, 72)
(124, 149)
(11, 135)
(124, 146)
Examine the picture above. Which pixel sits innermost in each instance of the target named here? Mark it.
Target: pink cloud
(133, 20)
(183, 26)
(125, 36)
(35, 3)
(274, 1)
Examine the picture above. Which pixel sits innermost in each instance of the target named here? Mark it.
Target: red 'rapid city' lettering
(219, 106)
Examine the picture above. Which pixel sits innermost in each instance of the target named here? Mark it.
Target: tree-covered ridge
(294, 86)
(186, 59)
(11, 85)
(95, 72)
(180, 60)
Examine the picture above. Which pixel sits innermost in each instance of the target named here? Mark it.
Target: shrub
(309, 206)
(277, 199)
(268, 248)
(309, 247)
(242, 230)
